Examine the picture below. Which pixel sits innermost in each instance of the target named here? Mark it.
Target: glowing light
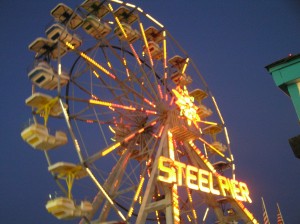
(202, 180)
(205, 214)
(136, 196)
(186, 105)
(110, 149)
(108, 104)
(227, 137)
(185, 65)
(149, 102)
(104, 193)
(213, 148)
(117, 1)
(160, 91)
(135, 54)
(130, 5)
(146, 43)
(165, 52)
(216, 105)
(111, 129)
(96, 74)
(154, 20)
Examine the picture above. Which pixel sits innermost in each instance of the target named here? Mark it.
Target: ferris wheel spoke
(111, 148)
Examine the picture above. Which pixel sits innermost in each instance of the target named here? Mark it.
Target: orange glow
(108, 104)
(160, 91)
(135, 54)
(186, 105)
(149, 102)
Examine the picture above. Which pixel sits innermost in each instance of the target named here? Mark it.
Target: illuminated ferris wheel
(129, 128)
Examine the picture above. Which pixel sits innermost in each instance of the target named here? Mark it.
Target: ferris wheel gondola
(139, 117)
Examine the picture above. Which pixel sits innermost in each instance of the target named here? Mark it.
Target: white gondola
(203, 111)
(198, 95)
(213, 130)
(66, 15)
(58, 32)
(181, 79)
(219, 146)
(65, 208)
(43, 46)
(44, 76)
(38, 137)
(94, 27)
(61, 208)
(221, 166)
(85, 207)
(95, 7)
(42, 102)
(154, 49)
(125, 15)
(177, 62)
(132, 35)
(152, 34)
(63, 169)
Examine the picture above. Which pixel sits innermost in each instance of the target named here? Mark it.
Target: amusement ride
(129, 128)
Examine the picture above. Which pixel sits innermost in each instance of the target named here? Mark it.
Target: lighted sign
(186, 105)
(171, 171)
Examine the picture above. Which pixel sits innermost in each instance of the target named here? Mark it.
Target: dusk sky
(230, 41)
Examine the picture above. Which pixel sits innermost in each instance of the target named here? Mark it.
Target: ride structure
(286, 75)
(144, 140)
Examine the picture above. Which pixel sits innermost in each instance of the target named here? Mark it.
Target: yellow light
(191, 177)
(186, 105)
(185, 65)
(130, 5)
(139, 189)
(179, 166)
(211, 186)
(69, 45)
(203, 180)
(96, 74)
(171, 171)
(110, 7)
(146, 43)
(216, 105)
(165, 52)
(110, 149)
(104, 193)
(117, 1)
(227, 137)
(154, 20)
(168, 174)
(111, 129)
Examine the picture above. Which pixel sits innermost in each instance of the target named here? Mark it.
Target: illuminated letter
(179, 167)
(203, 180)
(223, 185)
(245, 192)
(211, 185)
(237, 192)
(168, 174)
(191, 177)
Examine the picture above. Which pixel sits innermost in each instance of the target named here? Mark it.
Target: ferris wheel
(129, 127)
